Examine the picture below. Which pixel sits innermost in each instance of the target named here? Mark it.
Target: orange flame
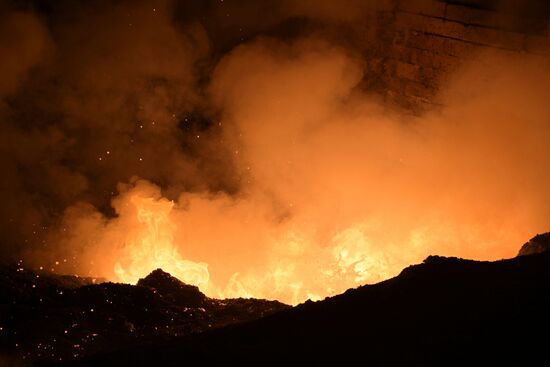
(154, 247)
(150, 227)
(335, 192)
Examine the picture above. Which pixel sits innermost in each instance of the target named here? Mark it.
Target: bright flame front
(153, 247)
(150, 224)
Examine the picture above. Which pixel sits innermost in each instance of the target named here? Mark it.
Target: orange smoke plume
(337, 191)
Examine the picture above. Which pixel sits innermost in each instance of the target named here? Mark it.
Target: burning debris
(442, 311)
(173, 290)
(58, 318)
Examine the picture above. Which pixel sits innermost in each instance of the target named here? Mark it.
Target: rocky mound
(48, 318)
(445, 311)
(172, 289)
(536, 245)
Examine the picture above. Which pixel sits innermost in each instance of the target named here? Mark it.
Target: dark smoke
(94, 93)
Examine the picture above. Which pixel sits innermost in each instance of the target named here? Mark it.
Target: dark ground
(47, 318)
(445, 311)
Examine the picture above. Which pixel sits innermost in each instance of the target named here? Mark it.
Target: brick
(474, 34)
(406, 70)
(475, 16)
(416, 47)
(414, 72)
(417, 89)
(467, 15)
(385, 5)
(538, 44)
(541, 59)
(425, 58)
(524, 8)
(410, 87)
(495, 19)
(432, 8)
(420, 103)
(375, 64)
(440, 45)
(412, 104)
(429, 75)
(429, 25)
(484, 4)
(495, 38)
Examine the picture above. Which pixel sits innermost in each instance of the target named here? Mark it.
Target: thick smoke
(297, 183)
(100, 93)
(24, 44)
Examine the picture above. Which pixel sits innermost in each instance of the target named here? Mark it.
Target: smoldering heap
(52, 318)
(445, 309)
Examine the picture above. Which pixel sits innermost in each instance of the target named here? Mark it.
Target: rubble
(47, 317)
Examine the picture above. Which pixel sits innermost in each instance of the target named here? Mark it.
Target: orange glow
(149, 243)
(335, 190)
(272, 167)
(153, 247)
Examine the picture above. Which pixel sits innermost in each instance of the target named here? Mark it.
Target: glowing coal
(153, 246)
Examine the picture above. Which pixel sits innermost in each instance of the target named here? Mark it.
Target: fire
(334, 191)
(194, 238)
(231, 248)
(151, 224)
(356, 258)
(153, 247)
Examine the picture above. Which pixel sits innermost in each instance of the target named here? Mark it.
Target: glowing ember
(152, 231)
(153, 246)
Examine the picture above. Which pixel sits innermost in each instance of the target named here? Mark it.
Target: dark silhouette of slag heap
(173, 289)
(536, 245)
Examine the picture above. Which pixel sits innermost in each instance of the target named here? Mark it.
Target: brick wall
(422, 41)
